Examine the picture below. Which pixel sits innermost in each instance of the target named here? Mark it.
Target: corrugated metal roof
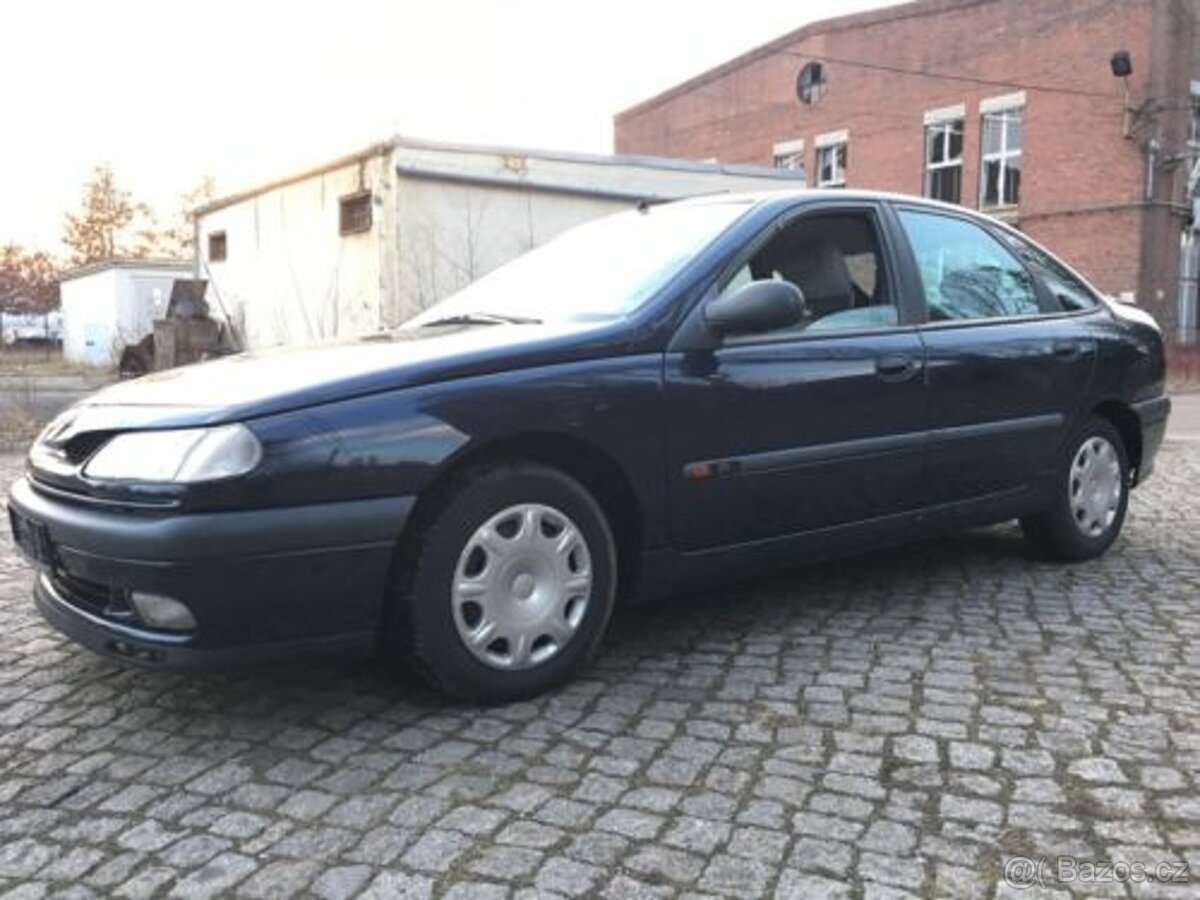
(125, 262)
(402, 142)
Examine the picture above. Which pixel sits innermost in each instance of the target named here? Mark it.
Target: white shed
(109, 305)
(366, 241)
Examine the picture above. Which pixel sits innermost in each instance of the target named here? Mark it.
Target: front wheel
(1091, 495)
(511, 585)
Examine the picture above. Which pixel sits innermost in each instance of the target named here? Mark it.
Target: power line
(946, 76)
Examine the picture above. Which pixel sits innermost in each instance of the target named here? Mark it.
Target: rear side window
(1070, 293)
(967, 273)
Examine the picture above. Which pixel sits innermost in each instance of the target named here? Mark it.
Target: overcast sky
(168, 91)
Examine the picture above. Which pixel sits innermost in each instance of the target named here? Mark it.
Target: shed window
(354, 213)
(217, 246)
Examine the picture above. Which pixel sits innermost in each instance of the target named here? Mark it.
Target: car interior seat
(819, 269)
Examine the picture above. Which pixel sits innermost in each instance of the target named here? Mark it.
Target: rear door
(808, 428)
(1006, 370)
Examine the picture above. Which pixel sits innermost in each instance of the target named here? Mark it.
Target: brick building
(1010, 106)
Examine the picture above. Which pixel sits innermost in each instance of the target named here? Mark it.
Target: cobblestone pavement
(892, 725)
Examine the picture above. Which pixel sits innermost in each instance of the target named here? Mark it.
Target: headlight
(186, 455)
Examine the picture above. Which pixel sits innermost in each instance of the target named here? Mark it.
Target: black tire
(1054, 533)
(422, 625)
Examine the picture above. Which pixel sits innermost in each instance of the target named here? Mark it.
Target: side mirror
(755, 308)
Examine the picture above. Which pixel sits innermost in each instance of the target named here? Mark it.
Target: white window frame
(999, 108)
(1003, 103)
(789, 155)
(940, 128)
(830, 143)
(946, 114)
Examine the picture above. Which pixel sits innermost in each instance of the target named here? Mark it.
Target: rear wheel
(1091, 496)
(511, 585)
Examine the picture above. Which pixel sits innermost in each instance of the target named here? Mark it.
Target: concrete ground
(903, 724)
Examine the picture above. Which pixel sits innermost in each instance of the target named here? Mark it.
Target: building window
(944, 161)
(1000, 168)
(217, 246)
(790, 160)
(789, 155)
(831, 159)
(831, 166)
(354, 213)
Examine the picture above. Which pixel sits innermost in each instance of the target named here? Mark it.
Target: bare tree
(109, 222)
(442, 255)
(28, 280)
(176, 239)
(474, 209)
(422, 251)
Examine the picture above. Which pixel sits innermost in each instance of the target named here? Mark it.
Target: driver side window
(835, 261)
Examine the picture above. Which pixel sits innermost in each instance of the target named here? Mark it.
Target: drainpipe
(1189, 264)
(1189, 284)
(1153, 149)
(195, 246)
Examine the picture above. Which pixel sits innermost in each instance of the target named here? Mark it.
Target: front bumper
(262, 584)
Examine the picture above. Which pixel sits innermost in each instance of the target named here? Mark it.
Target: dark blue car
(662, 398)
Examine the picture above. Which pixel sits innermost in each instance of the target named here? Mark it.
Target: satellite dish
(810, 83)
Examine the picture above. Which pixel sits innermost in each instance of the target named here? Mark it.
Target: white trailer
(110, 305)
(366, 241)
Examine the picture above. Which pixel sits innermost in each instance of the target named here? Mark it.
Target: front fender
(397, 443)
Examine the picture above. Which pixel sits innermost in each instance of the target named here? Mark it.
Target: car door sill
(942, 514)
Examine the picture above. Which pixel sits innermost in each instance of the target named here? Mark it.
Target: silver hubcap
(521, 586)
(1095, 486)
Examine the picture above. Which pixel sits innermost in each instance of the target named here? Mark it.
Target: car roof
(813, 195)
(804, 196)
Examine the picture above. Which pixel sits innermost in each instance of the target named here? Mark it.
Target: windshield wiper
(482, 318)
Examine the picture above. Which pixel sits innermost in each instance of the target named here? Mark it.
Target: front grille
(83, 445)
(68, 456)
(98, 599)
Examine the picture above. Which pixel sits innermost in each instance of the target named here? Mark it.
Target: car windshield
(600, 270)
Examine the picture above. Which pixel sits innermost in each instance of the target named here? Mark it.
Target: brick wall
(1083, 182)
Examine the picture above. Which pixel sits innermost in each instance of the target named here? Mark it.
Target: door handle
(1066, 349)
(895, 368)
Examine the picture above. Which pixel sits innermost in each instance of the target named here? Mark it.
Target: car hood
(249, 385)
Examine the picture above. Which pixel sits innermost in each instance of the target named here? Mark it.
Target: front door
(807, 428)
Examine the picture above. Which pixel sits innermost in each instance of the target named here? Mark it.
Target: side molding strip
(794, 457)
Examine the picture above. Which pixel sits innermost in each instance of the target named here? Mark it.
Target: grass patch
(43, 361)
(18, 428)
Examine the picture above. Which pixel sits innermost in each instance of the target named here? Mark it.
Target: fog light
(162, 612)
